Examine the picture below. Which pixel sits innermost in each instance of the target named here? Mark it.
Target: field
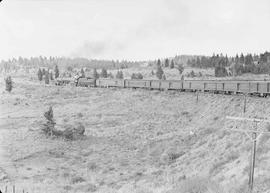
(141, 141)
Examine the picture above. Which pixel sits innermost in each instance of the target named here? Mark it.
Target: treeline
(16, 64)
(240, 64)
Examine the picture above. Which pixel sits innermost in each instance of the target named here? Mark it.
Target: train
(252, 87)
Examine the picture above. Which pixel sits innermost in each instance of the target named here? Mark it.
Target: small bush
(9, 84)
(48, 127)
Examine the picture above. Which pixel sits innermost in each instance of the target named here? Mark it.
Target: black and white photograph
(134, 96)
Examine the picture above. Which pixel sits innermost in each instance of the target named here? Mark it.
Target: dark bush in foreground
(9, 84)
(71, 132)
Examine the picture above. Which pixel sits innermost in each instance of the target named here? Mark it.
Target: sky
(132, 29)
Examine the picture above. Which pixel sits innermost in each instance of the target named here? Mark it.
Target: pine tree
(158, 62)
(56, 72)
(39, 75)
(172, 64)
(119, 75)
(167, 62)
(104, 73)
(9, 84)
(159, 72)
(82, 73)
(95, 74)
(47, 80)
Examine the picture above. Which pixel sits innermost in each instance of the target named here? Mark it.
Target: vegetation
(82, 73)
(95, 74)
(47, 79)
(136, 76)
(51, 75)
(119, 74)
(40, 75)
(159, 72)
(56, 72)
(9, 84)
(48, 126)
(104, 73)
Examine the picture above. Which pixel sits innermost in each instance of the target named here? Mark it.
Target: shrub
(9, 84)
(48, 127)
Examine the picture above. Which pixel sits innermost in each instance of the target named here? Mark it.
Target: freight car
(261, 88)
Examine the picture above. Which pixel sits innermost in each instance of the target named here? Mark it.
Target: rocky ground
(135, 140)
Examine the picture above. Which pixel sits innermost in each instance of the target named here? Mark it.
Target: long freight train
(261, 88)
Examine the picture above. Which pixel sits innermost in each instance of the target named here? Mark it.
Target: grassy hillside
(136, 141)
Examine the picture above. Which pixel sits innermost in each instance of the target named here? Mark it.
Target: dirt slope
(136, 140)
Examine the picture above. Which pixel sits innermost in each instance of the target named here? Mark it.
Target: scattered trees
(9, 84)
(119, 75)
(136, 76)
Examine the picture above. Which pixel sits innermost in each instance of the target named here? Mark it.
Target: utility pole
(245, 102)
(255, 133)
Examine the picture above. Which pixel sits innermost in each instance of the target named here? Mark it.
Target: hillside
(136, 140)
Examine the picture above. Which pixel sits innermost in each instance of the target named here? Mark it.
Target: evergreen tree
(95, 74)
(167, 62)
(39, 75)
(56, 72)
(192, 74)
(47, 79)
(9, 84)
(119, 75)
(158, 62)
(180, 68)
(43, 71)
(172, 64)
(104, 73)
(159, 72)
(82, 73)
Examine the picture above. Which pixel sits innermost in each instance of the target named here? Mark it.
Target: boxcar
(87, 82)
(137, 83)
(176, 84)
(230, 86)
(111, 83)
(197, 85)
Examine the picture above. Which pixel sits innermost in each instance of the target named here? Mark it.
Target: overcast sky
(132, 29)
